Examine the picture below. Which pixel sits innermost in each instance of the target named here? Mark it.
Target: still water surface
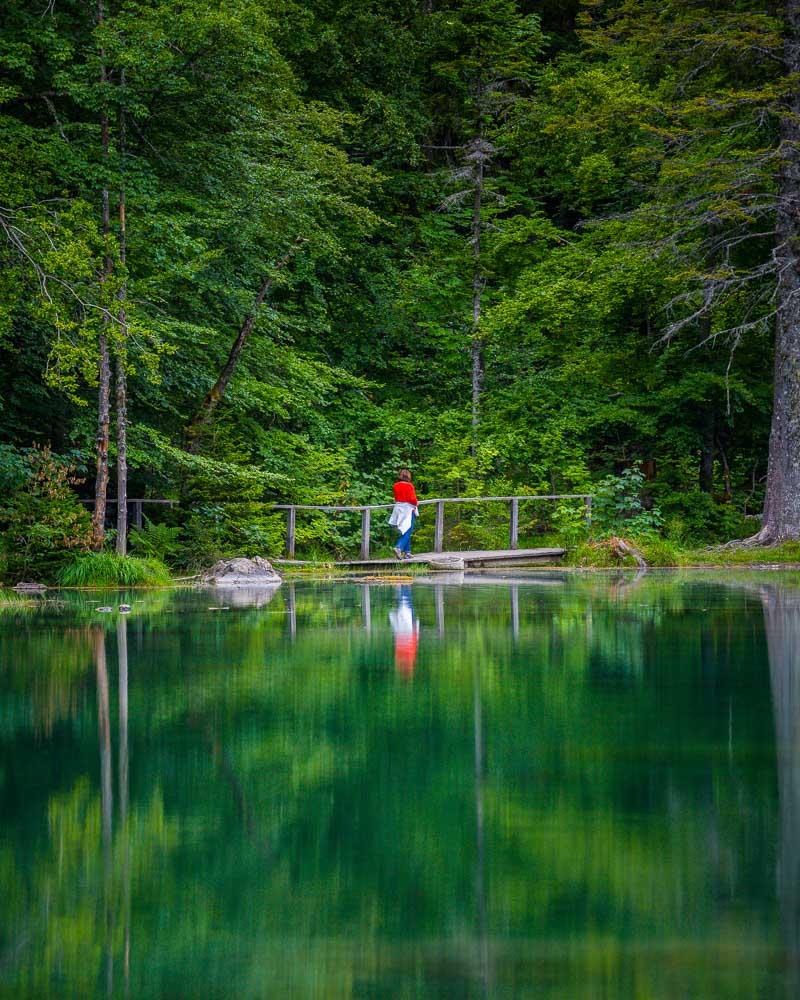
(562, 787)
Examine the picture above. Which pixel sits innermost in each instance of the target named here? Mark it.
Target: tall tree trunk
(479, 154)
(782, 504)
(122, 357)
(707, 442)
(212, 399)
(477, 294)
(104, 366)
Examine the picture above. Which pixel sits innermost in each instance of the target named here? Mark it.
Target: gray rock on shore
(446, 564)
(252, 573)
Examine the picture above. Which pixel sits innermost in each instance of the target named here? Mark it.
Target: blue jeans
(404, 542)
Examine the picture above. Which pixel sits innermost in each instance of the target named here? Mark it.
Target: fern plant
(156, 541)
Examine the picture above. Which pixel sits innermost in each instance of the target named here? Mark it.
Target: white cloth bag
(401, 516)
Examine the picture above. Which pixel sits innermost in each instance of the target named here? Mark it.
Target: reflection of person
(404, 513)
(406, 633)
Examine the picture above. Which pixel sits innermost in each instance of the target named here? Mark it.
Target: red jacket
(404, 493)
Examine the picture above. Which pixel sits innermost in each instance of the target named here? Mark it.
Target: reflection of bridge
(438, 584)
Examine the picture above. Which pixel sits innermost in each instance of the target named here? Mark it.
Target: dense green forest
(256, 251)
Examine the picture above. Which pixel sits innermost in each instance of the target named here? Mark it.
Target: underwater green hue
(558, 786)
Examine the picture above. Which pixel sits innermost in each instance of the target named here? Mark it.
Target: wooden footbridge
(482, 558)
(472, 558)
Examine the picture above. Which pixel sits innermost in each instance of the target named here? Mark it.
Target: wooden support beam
(513, 537)
(438, 534)
(137, 513)
(290, 520)
(588, 503)
(365, 519)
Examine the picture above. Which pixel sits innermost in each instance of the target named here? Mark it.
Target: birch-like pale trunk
(104, 364)
(476, 345)
(121, 359)
(782, 503)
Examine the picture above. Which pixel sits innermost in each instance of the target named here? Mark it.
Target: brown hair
(405, 476)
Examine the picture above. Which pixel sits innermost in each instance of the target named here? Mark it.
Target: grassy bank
(660, 552)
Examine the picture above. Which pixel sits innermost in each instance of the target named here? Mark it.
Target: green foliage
(659, 551)
(41, 521)
(156, 541)
(693, 516)
(107, 569)
(619, 507)
(569, 521)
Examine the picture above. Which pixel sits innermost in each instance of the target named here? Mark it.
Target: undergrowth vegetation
(107, 569)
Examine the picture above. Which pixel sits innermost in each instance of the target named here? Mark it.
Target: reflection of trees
(510, 806)
(71, 916)
(782, 624)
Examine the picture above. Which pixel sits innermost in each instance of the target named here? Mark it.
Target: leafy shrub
(569, 521)
(618, 507)
(42, 522)
(695, 516)
(13, 468)
(107, 569)
(156, 541)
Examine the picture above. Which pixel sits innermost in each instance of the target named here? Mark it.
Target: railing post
(438, 534)
(588, 502)
(365, 518)
(290, 517)
(137, 514)
(513, 535)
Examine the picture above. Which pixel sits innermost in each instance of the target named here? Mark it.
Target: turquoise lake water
(560, 786)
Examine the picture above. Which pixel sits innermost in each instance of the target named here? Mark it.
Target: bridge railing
(438, 532)
(366, 514)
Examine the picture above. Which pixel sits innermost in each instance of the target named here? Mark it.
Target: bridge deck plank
(472, 557)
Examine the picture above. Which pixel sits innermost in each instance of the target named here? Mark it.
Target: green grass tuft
(659, 551)
(106, 569)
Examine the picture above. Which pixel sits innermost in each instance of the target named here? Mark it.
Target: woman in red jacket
(404, 513)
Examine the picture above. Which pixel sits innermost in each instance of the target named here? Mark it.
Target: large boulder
(256, 572)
